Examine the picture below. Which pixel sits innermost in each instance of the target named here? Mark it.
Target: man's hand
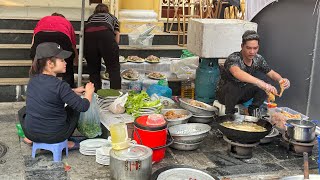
(266, 87)
(80, 90)
(285, 82)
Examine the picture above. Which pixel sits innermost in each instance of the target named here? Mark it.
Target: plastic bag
(186, 54)
(117, 107)
(185, 68)
(159, 90)
(89, 121)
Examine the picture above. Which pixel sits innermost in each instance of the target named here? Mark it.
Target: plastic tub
(154, 137)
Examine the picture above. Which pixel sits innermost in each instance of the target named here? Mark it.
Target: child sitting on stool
(47, 120)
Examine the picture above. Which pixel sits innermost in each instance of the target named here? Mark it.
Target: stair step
(11, 36)
(27, 23)
(13, 81)
(11, 63)
(22, 31)
(124, 47)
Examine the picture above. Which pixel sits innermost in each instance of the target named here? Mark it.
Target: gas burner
(297, 147)
(239, 150)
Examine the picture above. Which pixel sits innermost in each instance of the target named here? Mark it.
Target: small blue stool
(56, 149)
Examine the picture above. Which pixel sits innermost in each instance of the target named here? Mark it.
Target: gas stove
(239, 150)
(297, 147)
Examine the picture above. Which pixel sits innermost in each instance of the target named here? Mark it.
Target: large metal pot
(301, 130)
(134, 163)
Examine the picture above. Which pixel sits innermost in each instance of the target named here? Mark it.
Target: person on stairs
(52, 107)
(101, 39)
(239, 83)
(56, 28)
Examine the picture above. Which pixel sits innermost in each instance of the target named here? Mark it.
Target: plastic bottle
(187, 88)
(20, 131)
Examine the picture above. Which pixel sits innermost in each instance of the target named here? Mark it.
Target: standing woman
(56, 28)
(101, 39)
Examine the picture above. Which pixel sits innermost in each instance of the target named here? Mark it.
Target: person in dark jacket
(47, 120)
(101, 39)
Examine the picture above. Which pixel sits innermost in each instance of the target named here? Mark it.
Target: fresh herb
(88, 129)
(108, 92)
(137, 101)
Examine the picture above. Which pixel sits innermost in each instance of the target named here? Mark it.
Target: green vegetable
(108, 92)
(88, 129)
(136, 101)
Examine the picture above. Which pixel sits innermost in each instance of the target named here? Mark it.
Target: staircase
(15, 43)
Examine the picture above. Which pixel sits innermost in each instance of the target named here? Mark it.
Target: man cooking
(239, 82)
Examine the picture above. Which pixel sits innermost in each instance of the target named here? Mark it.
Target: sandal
(76, 146)
(77, 139)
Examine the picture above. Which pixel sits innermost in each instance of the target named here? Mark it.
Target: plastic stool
(222, 108)
(56, 149)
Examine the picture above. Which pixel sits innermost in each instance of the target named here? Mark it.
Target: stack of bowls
(188, 136)
(177, 121)
(199, 114)
(105, 102)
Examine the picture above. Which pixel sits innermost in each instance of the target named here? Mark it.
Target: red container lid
(153, 122)
(272, 105)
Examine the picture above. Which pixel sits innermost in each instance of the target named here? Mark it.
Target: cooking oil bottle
(119, 136)
(187, 88)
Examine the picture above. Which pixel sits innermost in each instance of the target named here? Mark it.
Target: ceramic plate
(151, 76)
(94, 143)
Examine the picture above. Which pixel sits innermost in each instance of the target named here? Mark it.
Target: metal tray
(183, 120)
(209, 111)
(189, 133)
(184, 173)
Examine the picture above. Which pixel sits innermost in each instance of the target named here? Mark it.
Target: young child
(47, 119)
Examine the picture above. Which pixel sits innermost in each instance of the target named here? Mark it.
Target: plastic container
(119, 136)
(286, 109)
(154, 137)
(155, 120)
(187, 88)
(138, 40)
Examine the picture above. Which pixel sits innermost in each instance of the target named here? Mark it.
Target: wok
(243, 136)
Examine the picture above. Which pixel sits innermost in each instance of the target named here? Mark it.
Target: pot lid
(134, 152)
(301, 123)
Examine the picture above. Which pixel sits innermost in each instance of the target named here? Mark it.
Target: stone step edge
(21, 31)
(13, 81)
(122, 47)
(15, 63)
(164, 20)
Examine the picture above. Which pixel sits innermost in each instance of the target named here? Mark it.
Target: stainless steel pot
(301, 130)
(134, 163)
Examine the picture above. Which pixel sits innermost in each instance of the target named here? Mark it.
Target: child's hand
(79, 90)
(89, 88)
